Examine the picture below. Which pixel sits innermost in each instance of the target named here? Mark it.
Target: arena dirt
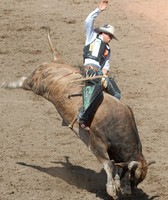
(39, 158)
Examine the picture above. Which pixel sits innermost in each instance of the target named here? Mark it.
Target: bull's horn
(122, 165)
(151, 162)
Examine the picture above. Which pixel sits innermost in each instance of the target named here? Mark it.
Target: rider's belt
(87, 67)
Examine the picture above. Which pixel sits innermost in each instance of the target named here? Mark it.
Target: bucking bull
(113, 136)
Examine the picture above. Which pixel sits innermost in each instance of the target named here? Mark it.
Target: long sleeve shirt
(91, 36)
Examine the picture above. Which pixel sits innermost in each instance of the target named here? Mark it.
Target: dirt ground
(39, 158)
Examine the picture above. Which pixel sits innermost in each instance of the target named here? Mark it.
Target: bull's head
(137, 171)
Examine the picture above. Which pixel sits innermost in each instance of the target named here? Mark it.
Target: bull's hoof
(126, 191)
(111, 190)
(117, 182)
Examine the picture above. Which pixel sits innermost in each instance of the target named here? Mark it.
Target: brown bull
(113, 137)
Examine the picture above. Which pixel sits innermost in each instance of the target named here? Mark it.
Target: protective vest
(97, 50)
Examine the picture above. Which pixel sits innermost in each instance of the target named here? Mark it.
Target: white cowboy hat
(106, 29)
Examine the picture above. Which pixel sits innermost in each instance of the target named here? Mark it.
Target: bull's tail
(55, 54)
(19, 83)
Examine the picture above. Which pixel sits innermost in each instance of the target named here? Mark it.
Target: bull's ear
(122, 165)
(151, 162)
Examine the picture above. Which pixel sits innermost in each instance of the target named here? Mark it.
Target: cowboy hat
(106, 29)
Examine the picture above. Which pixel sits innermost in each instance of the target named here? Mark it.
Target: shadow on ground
(83, 178)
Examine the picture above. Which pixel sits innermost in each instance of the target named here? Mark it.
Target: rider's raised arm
(89, 25)
(89, 22)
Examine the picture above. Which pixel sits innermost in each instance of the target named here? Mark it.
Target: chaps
(92, 96)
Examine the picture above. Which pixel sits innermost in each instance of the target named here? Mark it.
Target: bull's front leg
(111, 186)
(99, 149)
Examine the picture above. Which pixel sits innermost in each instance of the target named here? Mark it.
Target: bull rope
(86, 79)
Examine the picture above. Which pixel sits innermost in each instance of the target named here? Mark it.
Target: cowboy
(97, 54)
